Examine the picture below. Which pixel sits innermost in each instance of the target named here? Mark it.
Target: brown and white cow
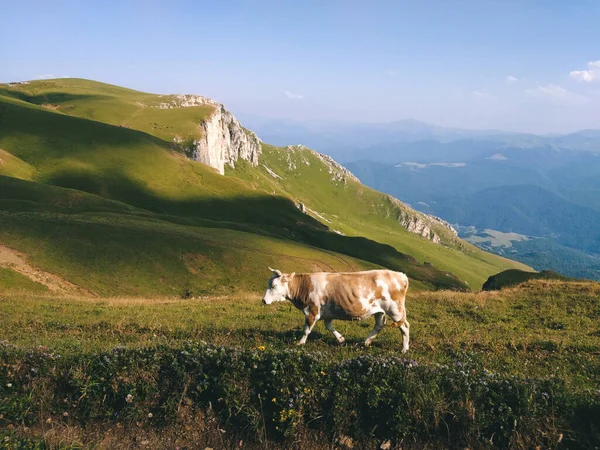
(344, 296)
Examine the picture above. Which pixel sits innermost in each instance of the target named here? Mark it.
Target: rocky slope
(223, 140)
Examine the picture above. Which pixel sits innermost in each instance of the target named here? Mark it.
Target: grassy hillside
(114, 143)
(516, 368)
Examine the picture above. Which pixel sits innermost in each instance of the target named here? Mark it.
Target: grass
(542, 329)
(11, 281)
(480, 361)
(112, 254)
(113, 105)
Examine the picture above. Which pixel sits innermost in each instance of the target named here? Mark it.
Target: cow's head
(278, 288)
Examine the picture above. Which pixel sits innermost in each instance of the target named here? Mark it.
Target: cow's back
(356, 295)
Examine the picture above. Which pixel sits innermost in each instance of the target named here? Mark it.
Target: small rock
(144, 442)
(386, 445)
(345, 442)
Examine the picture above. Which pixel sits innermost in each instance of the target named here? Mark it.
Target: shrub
(282, 394)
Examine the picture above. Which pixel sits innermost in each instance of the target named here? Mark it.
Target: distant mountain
(328, 136)
(348, 141)
(528, 210)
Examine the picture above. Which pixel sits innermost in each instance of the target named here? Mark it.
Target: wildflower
(273, 399)
(9, 385)
(129, 398)
(261, 348)
(48, 420)
(323, 373)
(65, 414)
(149, 415)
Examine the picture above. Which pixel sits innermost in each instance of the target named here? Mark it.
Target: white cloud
(498, 157)
(483, 95)
(293, 96)
(511, 79)
(391, 73)
(557, 95)
(590, 75)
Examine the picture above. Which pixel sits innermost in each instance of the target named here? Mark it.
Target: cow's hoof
(367, 343)
(341, 340)
(300, 343)
(404, 350)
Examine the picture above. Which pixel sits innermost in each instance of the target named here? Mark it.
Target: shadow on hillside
(265, 214)
(50, 98)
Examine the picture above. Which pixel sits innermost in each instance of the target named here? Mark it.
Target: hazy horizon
(529, 67)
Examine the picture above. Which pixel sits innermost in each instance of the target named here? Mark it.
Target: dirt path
(17, 262)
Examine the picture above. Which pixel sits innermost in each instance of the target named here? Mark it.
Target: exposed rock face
(223, 140)
(419, 223)
(185, 101)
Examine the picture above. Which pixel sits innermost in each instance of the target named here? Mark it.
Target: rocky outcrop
(422, 224)
(417, 225)
(224, 141)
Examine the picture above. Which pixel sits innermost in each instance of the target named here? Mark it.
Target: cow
(343, 296)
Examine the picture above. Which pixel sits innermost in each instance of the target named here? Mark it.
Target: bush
(285, 394)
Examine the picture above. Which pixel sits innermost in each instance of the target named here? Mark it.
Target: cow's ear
(275, 271)
(292, 274)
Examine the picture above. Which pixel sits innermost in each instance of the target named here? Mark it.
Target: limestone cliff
(224, 140)
(430, 227)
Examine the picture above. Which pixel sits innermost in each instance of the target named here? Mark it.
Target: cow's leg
(399, 318)
(329, 326)
(311, 318)
(379, 324)
(405, 330)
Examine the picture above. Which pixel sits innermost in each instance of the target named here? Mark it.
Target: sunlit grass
(544, 329)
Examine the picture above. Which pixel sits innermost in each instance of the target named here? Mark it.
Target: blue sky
(518, 65)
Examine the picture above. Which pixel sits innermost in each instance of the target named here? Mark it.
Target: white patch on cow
(319, 282)
(385, 290)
